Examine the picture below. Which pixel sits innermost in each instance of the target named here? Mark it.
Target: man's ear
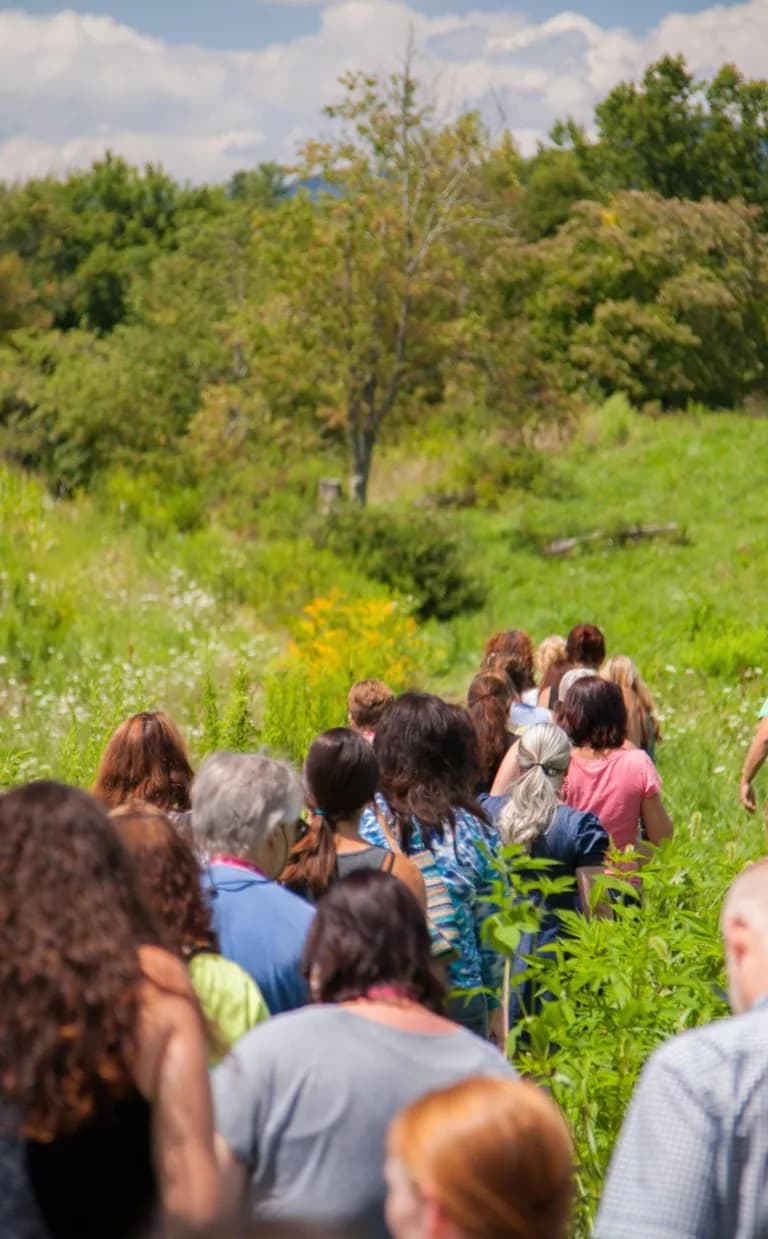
(436, 1224)
(736, 935)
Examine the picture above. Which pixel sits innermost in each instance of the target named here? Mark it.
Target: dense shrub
(486, 471)
(423, 560)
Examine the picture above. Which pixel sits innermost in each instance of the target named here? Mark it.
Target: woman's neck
(587, 750)
(405, 1014)
(349, 828)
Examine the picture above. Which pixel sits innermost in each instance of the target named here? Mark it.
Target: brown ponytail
(340, 777)
(311, 865)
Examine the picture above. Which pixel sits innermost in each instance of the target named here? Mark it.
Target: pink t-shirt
(613, 788)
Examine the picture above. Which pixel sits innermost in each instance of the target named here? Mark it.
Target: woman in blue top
(535, 818)
(428, 767)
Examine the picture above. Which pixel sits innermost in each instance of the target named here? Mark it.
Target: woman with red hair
(145, 759)
(483, 1157)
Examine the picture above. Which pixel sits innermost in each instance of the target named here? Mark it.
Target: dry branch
(630, 533)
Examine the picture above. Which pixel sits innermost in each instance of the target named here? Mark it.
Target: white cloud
(720, 34)
(72, 84)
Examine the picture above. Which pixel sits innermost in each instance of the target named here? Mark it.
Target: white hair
(544, 754)
(240, 799)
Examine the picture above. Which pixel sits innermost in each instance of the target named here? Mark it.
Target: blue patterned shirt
(464, 860)
(692, 1158)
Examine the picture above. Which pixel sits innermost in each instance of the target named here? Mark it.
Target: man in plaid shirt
(691, 1161)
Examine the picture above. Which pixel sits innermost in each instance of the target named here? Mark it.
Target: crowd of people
(245, 999)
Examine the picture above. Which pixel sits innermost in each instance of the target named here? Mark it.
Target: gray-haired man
(245, 810)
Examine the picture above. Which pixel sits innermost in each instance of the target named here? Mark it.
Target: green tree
(263, 186)
(19, 305)
(650, 135)
(553, 180)
(664, 300)
(676, 136)
(367, 288)
(735, 139)
(84, 240)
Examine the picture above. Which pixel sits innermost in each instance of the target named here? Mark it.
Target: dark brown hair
(585, 646)
(594, 714)
(340, 777)
(169, 876)
(369, 930)
(428, 764)
(488, 701)
(511, 652)
(145, 759)
(366, 702)
(71, 923)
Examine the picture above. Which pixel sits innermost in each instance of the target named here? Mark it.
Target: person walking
(754, 760)
(170, 881)
(245, 820)
(106, 1126)
(341, 774)
(303, 1103)
(568, 842)
(480, 1158)
(429, 768)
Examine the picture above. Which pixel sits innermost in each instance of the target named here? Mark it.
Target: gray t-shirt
(305, 1101)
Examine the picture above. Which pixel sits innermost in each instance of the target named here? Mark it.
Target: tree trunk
(362, 442)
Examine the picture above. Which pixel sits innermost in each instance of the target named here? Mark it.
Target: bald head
(744, 923)
(747, 898)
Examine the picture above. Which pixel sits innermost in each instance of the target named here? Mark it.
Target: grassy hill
(98, 608)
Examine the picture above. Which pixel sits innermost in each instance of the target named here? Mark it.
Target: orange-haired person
(483, 1157)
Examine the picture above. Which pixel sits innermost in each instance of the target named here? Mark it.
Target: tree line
(237, 338)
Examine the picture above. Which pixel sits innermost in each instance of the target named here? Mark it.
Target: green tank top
(232, 1002)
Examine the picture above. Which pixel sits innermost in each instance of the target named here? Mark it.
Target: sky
(206, 87)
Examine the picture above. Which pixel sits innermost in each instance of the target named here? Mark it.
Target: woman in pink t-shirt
(614, 780)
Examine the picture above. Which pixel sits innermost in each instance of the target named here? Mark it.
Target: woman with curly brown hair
(488, 700)
(511, 651)
(145, 759)
(171, 885)
(511, 654)
(106, 1125)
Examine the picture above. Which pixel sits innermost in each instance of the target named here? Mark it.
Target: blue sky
(230, 24)
(209, 86)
